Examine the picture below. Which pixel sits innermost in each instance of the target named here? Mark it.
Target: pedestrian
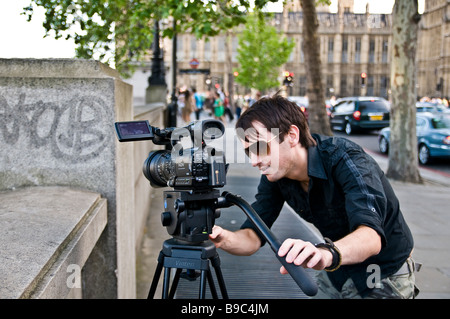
(227, 109)
(198, 103)
(219, 109)
(239, 103)
(332, 183)
(208, 105)
(189, 106)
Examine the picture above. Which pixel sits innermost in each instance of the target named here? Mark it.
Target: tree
(317, 114)
(261, 52)
(403, 161)
(125, 27)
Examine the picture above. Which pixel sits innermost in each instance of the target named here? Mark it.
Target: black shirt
(347, 189)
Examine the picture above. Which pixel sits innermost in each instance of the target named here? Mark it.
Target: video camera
(197, 168)
(194, 172)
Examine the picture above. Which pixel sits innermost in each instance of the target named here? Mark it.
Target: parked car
(433, 136)
(431, 107)
(359, 113)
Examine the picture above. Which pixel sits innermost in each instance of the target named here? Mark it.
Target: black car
(359, 113)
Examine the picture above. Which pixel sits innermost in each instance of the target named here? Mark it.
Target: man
(332, 183)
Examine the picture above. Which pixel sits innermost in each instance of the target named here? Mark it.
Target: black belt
(405, 268)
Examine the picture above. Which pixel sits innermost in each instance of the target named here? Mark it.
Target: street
(369, 141)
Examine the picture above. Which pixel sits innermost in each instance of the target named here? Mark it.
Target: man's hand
(242, 242)
(217, 236)
(304, 254)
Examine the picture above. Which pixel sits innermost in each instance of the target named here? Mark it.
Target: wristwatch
(337, 257)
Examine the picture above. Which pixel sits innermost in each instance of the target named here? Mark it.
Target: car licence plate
(375, 117)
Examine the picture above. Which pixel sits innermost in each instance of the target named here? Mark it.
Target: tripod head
(190, 216)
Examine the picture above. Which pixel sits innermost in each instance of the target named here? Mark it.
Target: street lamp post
(172, 108)
(157, 88)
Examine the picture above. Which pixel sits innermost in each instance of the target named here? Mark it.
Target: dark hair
(277, 112)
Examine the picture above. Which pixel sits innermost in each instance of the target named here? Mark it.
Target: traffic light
(288, 78)
(363, 79)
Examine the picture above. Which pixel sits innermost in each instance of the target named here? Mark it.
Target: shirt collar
(315, 165)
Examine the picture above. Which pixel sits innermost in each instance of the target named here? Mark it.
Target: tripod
(190, 218)
(189, 256)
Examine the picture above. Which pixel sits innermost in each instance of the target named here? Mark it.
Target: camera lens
(158, 168)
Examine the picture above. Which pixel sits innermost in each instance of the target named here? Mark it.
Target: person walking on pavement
(332, 183)
(189, 106)
(198, 103)
(219, 109)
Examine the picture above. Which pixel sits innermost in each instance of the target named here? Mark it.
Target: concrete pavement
(425, 207)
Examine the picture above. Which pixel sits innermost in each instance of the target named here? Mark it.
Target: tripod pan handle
(298, 273)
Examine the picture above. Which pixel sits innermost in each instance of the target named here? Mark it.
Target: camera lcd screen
(134, 131)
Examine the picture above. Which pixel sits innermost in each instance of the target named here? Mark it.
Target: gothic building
(433, 50)
(351, 44)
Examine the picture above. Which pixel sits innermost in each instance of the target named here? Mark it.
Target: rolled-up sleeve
(268, 204)
(365, 200)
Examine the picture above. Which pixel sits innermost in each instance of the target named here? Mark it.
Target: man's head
(264, 128)
(279, 113)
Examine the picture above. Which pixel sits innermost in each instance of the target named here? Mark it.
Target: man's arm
(243, 242)
(356, 247)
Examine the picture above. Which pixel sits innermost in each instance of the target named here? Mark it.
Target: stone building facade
(433, 50)
(350, 44)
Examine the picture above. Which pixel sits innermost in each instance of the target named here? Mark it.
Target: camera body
(198, 168)
(193, 172)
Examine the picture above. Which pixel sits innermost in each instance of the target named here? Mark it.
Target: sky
(22, 39)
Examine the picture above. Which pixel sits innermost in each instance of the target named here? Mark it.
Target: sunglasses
(260, 148)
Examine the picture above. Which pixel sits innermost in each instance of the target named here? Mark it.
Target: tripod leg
(156, 276)
(202, 284)
(215, 261)
(211, 285)
(166, 283)
(176, 279)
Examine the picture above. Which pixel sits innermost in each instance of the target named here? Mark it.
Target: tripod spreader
(298, 273)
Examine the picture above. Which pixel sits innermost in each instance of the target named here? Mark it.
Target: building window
(372, 51)
(384, 53)
(330, 49)
(302, 85)
(207, 50)
(358, 50)
(344, 85)
(235, 44)
(384, 86)
(357, 85)
(344, 58)
(330, 86)
(370, 86)
(221, 49)
(180, 50)
(193, 47)
(302, 55)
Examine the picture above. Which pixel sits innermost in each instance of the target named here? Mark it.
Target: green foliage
(123, 29)
(262, 50)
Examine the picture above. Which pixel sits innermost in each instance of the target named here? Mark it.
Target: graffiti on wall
(74, 130)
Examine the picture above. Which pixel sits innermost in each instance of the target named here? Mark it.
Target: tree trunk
(229, 70)
(317, 114)
(403, 162)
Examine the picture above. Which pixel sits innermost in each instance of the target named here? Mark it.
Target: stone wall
(57, 128)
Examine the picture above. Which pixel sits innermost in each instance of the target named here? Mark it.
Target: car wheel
(383, 144)
(424, 154)
(348, 128)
